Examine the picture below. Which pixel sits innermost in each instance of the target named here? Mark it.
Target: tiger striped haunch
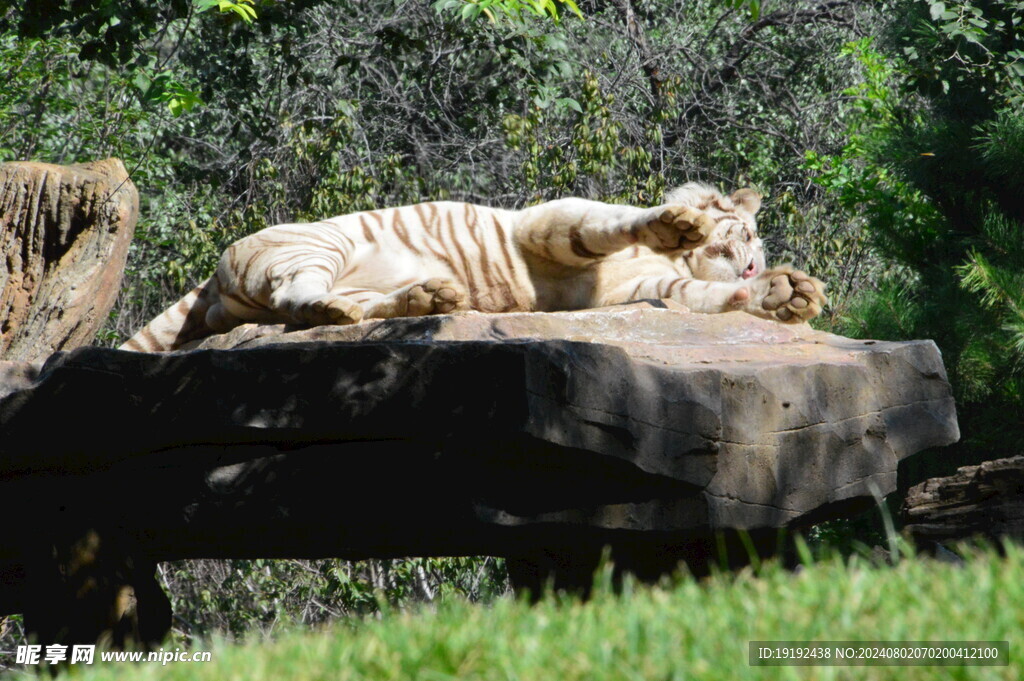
(700, 248)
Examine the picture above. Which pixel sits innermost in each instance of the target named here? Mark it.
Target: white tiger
(700, 248)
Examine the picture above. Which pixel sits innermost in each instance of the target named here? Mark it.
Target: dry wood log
(985, 500)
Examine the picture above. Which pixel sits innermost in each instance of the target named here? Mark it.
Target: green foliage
(165, 89)
(968, 51)
(239, 597)
(933, 160)
(118, 35)
(56, 93)
(243, 9)
(595, 151)
(752, 7)
(685, 630)
(515, 10)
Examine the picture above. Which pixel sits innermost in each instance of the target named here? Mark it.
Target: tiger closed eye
(746, 234)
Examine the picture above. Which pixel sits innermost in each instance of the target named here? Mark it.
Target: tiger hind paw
(332, 310)
(435, 296)
(792, 296)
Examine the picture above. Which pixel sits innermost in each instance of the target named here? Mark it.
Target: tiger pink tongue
(751, 271)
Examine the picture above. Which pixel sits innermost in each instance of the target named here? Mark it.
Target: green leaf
(242, 8)
(569, 102)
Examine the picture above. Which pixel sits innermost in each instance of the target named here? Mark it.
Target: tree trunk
(64, 235)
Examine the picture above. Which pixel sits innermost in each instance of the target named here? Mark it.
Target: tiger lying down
(700, 248)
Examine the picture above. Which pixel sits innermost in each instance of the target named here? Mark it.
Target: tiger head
(733, 251)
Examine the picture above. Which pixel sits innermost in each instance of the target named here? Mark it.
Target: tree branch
(648, 61)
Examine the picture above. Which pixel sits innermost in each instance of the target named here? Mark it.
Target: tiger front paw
(673, 228)
(791, 296)
(436, 296)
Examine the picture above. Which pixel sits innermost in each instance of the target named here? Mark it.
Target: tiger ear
(747, 199)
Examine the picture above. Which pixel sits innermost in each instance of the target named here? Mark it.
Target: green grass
(692, 630)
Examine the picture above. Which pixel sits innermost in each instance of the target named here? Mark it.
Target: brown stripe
(578, 247)
(245, 301)
(513, 276)
(462, 255)
(367, 232)
(195, 319)
(681, 283)
(473, 228)
(434, 221)
(486, 267)
(289, 262)
(419, 212)
(471, 224)
(715, 250)
(150, 338)
(266, 241)
(377, 216)
(245, 269)
(441, 255)
(344, 249)
(320, 266)
(133, 344)
(546, 243)
(503, 240)
(398, 225)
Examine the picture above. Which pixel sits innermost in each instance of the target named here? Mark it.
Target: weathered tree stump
(64, 235)
(986, 500)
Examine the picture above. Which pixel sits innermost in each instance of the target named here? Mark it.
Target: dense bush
(934, 163)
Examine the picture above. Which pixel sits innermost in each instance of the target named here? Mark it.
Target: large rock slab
(64, 235)
(473, 433)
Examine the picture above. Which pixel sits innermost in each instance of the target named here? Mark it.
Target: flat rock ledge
(470, 434)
